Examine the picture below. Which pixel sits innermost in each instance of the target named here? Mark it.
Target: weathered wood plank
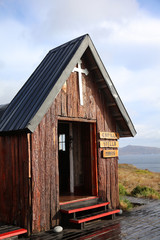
(102, 179)
(35, 183)
(75, 94)
(70, 94)
(24, 174)
(113, 190)
(52, 166)
(108, 181)
(116, 183)
(13, 199)
(48, 162)
(76, 119)
(58, 103)
(42, 171)
(64, 99)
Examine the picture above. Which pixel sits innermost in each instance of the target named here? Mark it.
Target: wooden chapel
(59, 138)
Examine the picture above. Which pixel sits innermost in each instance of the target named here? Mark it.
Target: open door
(77, 159)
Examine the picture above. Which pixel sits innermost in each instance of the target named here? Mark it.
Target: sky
(126, 34)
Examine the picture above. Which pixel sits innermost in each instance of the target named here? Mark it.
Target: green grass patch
(141, 171)
(122, 190)
(146, 192)
(125, 204)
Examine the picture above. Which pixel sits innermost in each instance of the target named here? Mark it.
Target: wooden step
(84, 206)
(7, 231)
(94, 216)
(78, 200)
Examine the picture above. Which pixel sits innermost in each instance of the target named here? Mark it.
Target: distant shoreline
(132, 150)
(142, 161)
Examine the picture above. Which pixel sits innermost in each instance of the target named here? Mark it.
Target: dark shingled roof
(3, 109)
(31, 96)
(31, 103)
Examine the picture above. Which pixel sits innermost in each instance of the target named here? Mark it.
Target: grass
(130, 177)
(146, 192)
(125, 204)
(122, 190)
(138, 183)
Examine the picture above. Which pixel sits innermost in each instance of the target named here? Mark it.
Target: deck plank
(141, 223)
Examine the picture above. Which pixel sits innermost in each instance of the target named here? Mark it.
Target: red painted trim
(94, 217)
(78, 200)
(85, 208)
(12, 233)
(94, 163)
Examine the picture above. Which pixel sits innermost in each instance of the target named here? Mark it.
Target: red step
(96, 216)
(80, 209)
(85, 211)
(7, 234)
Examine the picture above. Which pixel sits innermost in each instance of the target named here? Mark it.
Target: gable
(34, 99)
(68, 107)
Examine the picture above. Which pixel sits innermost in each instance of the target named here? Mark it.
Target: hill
(130, 177)
(132, 150)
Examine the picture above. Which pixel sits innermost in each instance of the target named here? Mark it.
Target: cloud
(7, 90)
(83, 13)
(134, 44)
(72, 18)
(19, 57)
(126, 35)
(138, 86)
(138, 30)
(148, 135)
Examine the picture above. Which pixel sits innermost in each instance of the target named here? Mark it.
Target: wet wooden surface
(143, 222)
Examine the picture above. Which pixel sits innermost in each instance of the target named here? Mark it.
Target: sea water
(142, 161)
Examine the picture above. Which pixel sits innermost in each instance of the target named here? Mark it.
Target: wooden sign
(110, 153)
(109, 144)
(109, 135)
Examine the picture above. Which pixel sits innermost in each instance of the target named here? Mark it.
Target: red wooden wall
(44, 154)
(14, 180)
(29, 174)
(45, 178)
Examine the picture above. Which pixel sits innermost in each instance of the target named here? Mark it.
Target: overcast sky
(126, 34)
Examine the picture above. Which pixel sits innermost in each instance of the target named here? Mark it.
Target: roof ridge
(57, 59)
(33, 100)
(69, 42)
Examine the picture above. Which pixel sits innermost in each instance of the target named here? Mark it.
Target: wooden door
(86, 159)
(90, 158)
(93, 134)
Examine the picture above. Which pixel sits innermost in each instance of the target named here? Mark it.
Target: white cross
(80, 71)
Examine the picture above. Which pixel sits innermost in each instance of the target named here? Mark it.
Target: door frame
(93, 149)
(93, 137)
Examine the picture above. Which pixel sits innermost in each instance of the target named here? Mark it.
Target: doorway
(77, 159)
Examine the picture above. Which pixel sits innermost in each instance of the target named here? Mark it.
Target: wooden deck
(143, 222)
